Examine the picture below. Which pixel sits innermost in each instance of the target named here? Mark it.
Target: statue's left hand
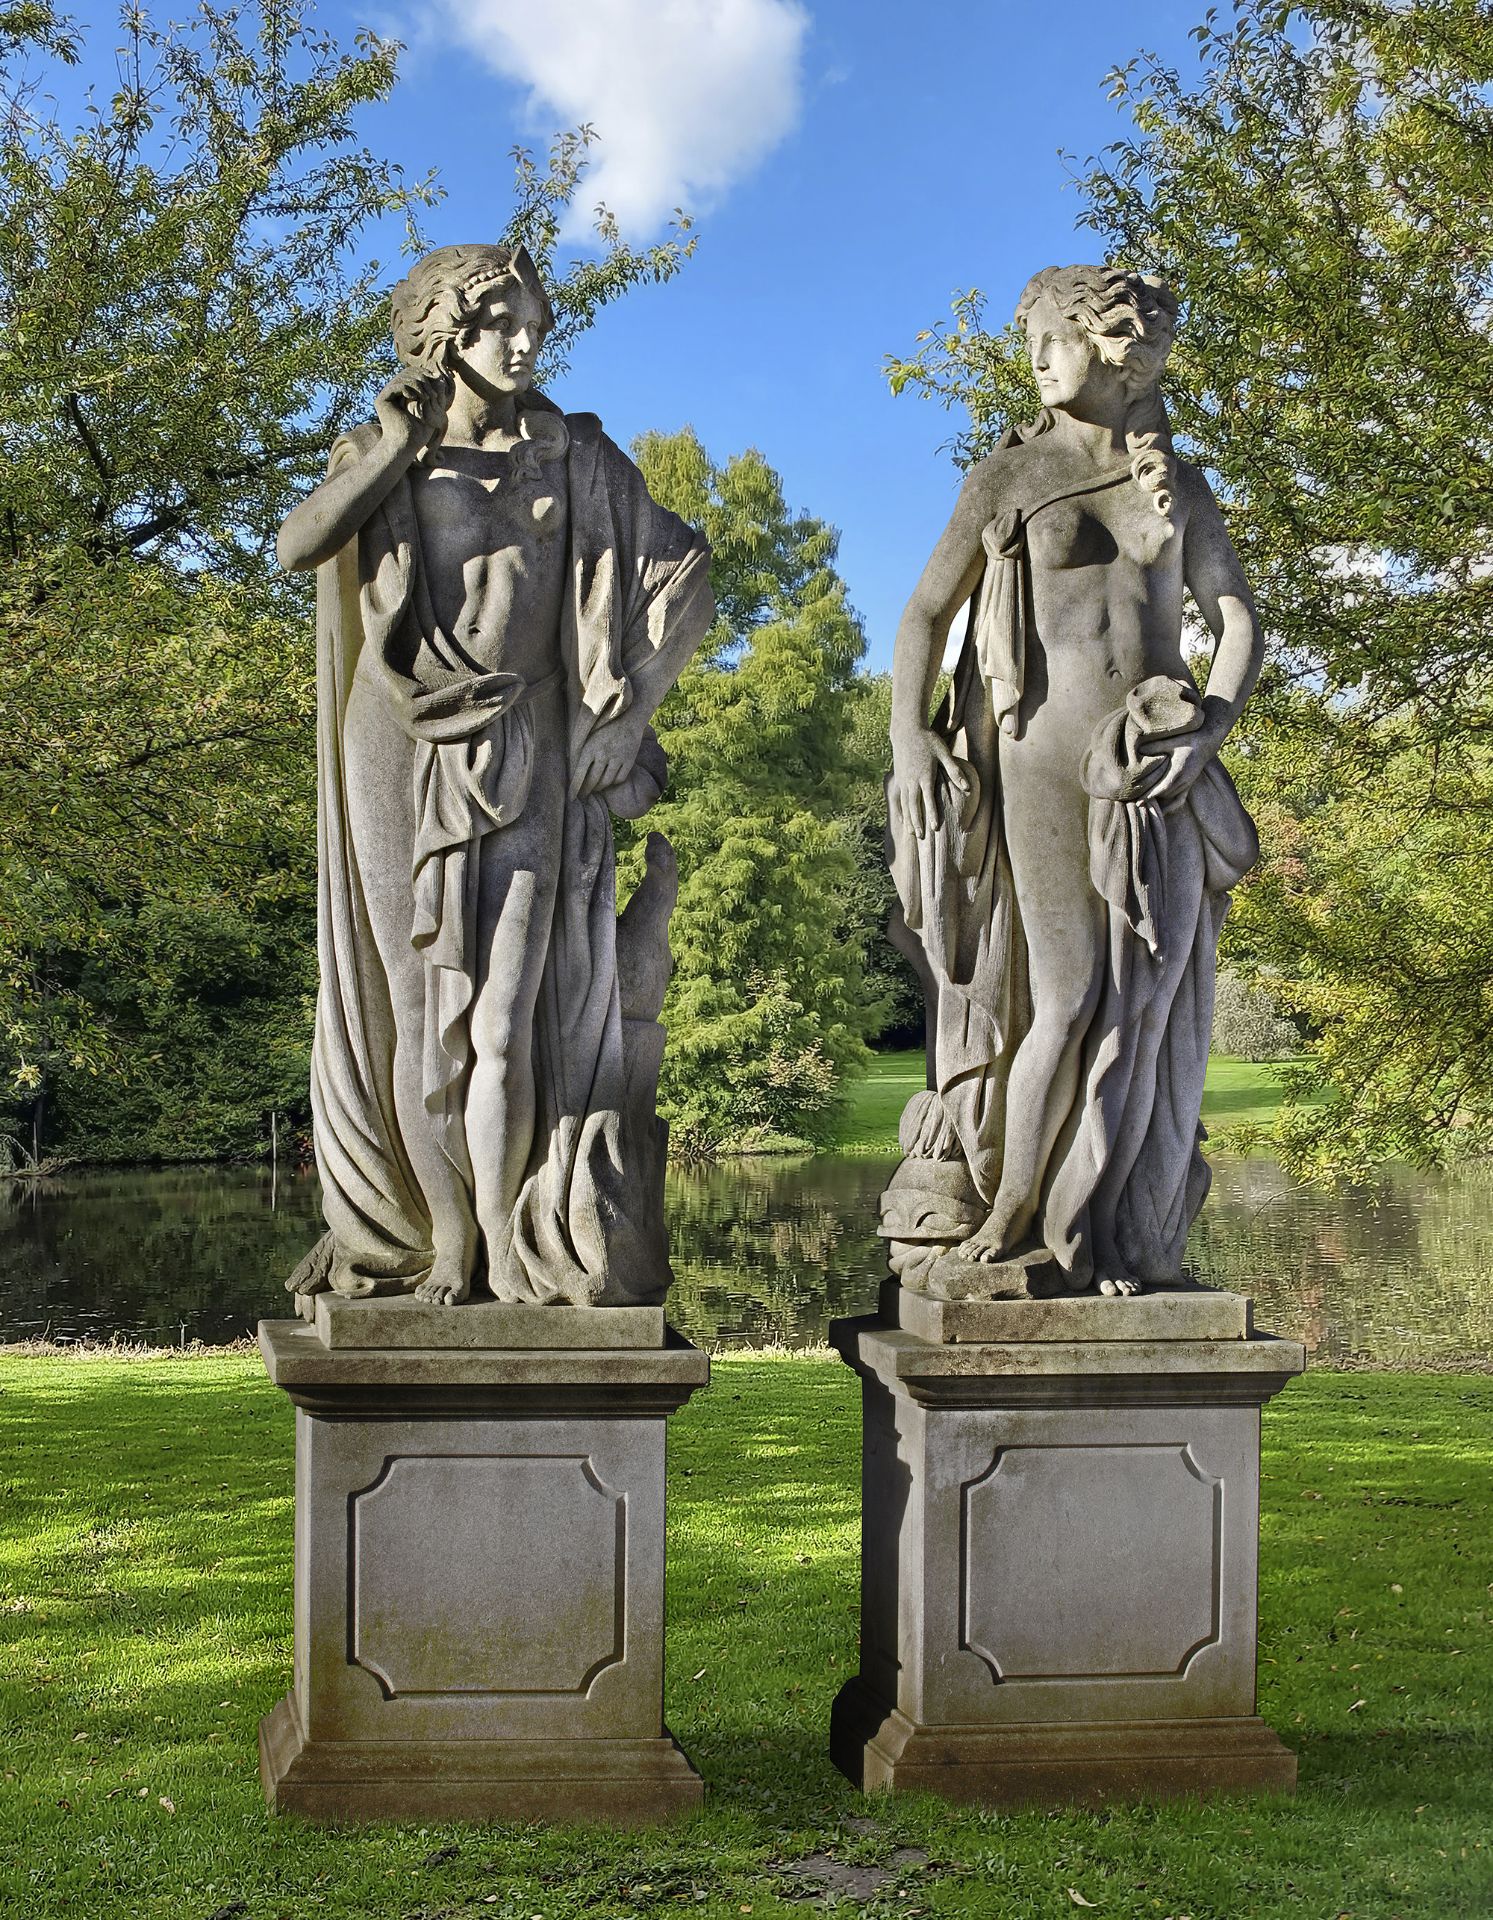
(606, 758)
(1179, 763)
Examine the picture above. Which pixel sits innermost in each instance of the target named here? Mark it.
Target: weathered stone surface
(1065, 1372)
(1170, 1313)
(479, 1582)
(1063, 835)
(1059, 1545)
(1074, 1765)
(399, 1322)
(452, 1379)
(500, 609)
(619, 1782)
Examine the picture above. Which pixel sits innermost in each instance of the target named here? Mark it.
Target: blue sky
(851, 163)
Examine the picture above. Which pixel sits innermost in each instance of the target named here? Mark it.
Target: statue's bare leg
(520, 867)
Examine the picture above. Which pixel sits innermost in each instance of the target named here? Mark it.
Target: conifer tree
(768, 1008)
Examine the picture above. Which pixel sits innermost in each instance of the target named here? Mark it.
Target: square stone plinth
(479, 1571)
(1059, 1549)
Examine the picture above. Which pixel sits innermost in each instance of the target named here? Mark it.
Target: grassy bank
(145, 1584)
(1238, 1093)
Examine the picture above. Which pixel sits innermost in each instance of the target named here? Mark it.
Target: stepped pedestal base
(619, 1782)
(479, 1565)
(1059, 1541)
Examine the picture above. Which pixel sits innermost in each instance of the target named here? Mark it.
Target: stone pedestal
(1059, 1541)
(479, 1563)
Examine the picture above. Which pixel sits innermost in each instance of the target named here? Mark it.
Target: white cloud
(686, 96)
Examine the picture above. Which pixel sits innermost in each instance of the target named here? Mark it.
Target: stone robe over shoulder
(1126, 1177)
(588, 1223)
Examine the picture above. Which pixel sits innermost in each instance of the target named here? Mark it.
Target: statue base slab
(1162, 1313)
(479, 1577)
(1059, 1552)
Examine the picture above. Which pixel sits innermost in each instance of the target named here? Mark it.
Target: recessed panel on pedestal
(1070, 1562)
(510, 1602)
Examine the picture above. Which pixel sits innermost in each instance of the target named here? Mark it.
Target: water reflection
(764, 1250)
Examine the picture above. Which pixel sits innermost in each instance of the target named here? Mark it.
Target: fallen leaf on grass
(1356, 1705)
(169, 1805)
(1077, 1898)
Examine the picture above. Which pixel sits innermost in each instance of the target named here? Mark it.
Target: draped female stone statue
(500, 609)
(1063, 836)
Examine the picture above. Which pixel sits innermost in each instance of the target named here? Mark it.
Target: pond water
(764, 1250)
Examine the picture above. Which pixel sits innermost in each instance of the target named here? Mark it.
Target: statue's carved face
(1071, 374)
(496, 353)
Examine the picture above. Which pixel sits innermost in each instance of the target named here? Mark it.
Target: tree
(1319, 194)
(190, 311)
(890, 980)
(768, 1007)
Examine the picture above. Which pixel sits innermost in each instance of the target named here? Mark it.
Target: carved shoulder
(1193, 492)
(994, 484)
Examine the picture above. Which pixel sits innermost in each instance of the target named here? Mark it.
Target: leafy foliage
(1248, 1023)
(543, 195)
(191, 309)
(768, 1007)
(1321, 193)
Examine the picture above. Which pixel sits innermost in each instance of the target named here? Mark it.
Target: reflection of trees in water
(1403, 1265)
(764, 1249)
(773, 1249)
(142, 1252)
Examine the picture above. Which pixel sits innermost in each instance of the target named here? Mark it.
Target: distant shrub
(1248, 1023)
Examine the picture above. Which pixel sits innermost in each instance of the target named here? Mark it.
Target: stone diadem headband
(486, 277)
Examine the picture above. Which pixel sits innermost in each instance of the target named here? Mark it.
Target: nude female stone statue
(1063, 836)
(501, 607)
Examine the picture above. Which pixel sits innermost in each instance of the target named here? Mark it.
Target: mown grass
(1238, 1093)
(145, 1564)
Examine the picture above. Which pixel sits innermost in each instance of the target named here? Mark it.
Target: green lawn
(145, 1567)
(1239, 1093)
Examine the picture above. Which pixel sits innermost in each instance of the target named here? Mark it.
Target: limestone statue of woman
(500, 609)
(1063, 836)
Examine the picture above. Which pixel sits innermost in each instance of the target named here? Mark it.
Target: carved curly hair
(433, 307)
(1130, 318)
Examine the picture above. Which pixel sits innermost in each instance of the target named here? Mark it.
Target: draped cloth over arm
(588, 1226)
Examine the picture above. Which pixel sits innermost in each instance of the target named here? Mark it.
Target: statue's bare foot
(446, 1284)
(997, 1240)
(1120, 1284)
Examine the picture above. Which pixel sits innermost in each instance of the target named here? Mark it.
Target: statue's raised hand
(412, 408)
(922, 767)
